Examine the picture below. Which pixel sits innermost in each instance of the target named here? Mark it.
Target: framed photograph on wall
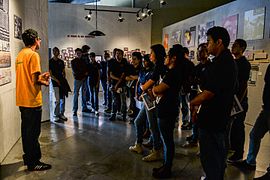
(17, 27)
(202, 29)
(231, 24)
(254, 24)
(189, 36)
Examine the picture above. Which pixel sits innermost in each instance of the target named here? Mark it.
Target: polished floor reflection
(91, 147)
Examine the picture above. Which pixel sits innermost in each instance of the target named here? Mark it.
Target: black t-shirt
(243, 73)
(159, 71)
(199, 75)
(188, 73)
(117, 69)
(93, 72)
(266, 90)
(221, 79)
(79, 68)
(57, 68)
(168, 104)
(134, 71)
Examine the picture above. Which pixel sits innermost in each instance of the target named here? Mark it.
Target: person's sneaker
(203, 178)
(162, 173)
(96, 113)
(62, 117)
(243, 165)
(136, 148)
(190, 144)
(108, 110)
(266, 176)
(235, 158)
(154, 155)
(40, 166)
(112, 118)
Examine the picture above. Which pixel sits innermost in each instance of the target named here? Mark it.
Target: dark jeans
(237, 132)
(94, 90)
(30, 127)
(105, 89)
(166, 126)
(212, 154)
(109, 96)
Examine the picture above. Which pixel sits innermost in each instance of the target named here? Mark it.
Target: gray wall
(34, 14)
(65, 19)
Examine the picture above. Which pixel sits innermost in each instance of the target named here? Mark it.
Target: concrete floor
(90, 147)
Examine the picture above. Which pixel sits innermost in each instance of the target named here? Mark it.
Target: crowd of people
(164, 84)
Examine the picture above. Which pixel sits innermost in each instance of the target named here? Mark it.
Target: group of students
(214, 82)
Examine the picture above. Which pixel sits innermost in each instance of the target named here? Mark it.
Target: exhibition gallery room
(135, 89)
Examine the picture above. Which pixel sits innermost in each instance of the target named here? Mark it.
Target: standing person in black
(85, 86)
(215, 104)
(109, 83)
(57, 72)
(167, 107)
(80, 73)
(93, 80)
(132, 78)
(197, 87)
(103, 77)
(237, 135)
(118, 67)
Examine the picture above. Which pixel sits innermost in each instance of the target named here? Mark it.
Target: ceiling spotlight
(139, 19)
(120, 18)
(88, 16)
(149, 12)
(162, 2)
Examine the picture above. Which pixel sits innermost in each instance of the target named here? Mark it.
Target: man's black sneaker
(264, 177)
(244, 166)
(235, 158)
(112, 118)
(40, 166)
(162, 173)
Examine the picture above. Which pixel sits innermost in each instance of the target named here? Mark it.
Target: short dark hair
(138, 55)
(85, 48)
(56, 49)
(203, 45)
(242, 43)
(92, 54)
(29, 37)
(78, 49)
(120, 50)
(218, 32)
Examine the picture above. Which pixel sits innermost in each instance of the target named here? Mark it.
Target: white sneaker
(154, 155)
(96, 113)
(136, 148)
(62, 117)
(203, 177)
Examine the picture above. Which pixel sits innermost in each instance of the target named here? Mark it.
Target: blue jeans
(109, 97)
(59, 101)
(94, 90)
(166, 126)
(105, 90)
(261, 127)
(212, 154)
(77, 85)
(119, 99)
(143, 116)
